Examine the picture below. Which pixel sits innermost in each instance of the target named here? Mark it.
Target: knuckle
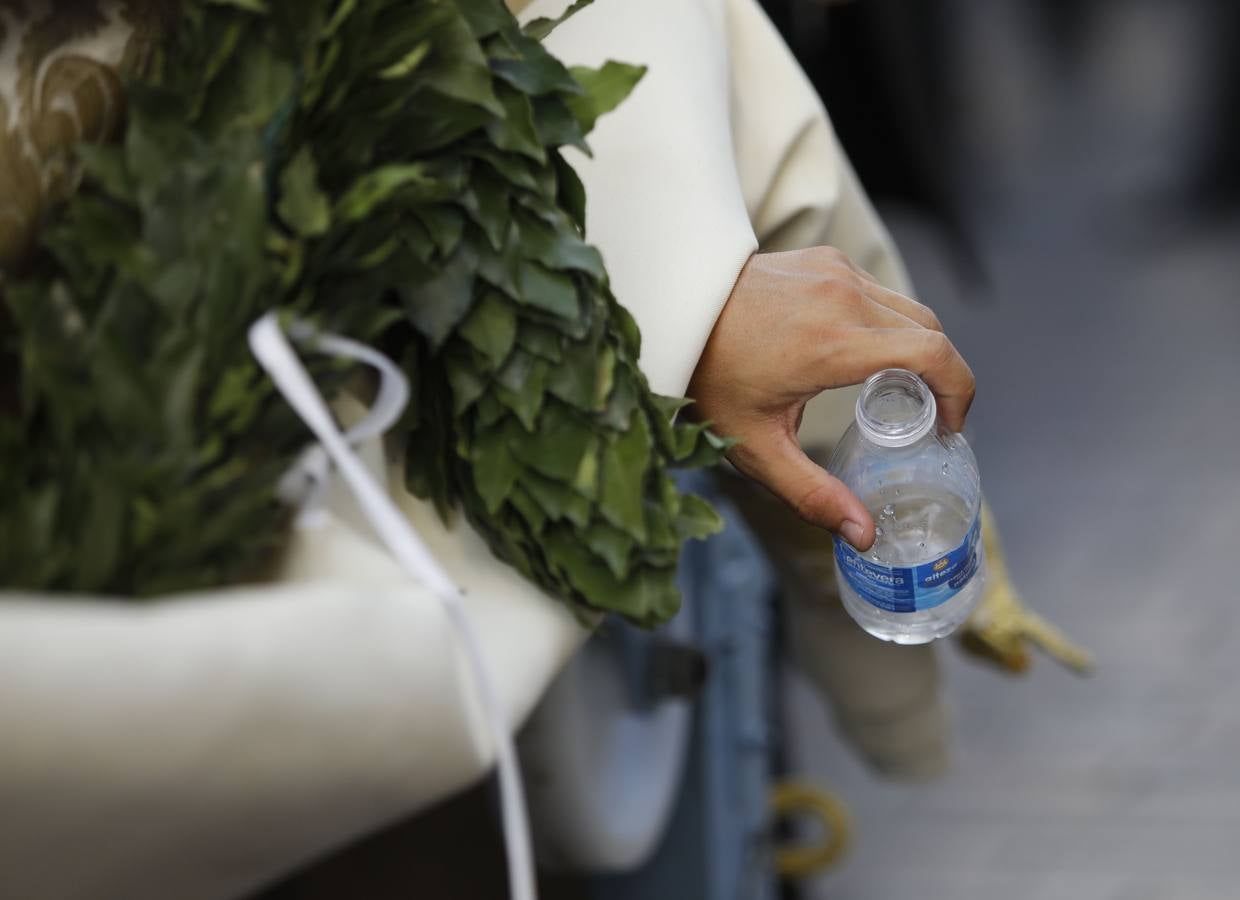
(939, 350)
(832, 256)
(932, 319)
(845, 292)
(853, 297)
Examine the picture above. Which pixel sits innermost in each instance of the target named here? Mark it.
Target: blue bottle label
(910, 589)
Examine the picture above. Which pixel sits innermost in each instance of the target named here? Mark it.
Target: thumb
(777, 462)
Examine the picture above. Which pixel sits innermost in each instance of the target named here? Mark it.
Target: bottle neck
(895, 409)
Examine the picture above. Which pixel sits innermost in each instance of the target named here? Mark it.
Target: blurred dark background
(1061, 177)
(954, 107)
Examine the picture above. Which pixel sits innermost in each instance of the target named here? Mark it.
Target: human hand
(799, 323)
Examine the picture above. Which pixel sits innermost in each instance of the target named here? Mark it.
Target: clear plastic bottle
(926, 570)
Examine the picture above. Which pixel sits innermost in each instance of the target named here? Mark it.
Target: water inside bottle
(917, 525)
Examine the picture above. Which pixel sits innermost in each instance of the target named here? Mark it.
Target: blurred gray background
(1062, 178)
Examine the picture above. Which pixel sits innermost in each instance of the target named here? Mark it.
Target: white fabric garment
(200, 746)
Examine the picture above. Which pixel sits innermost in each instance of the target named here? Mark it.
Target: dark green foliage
(391, 170)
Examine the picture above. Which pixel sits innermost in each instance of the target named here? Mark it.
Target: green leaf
(605, 88)
(544, 289)
(559, 249)
(102, 531)
(501, 269)
(626, 326)
(521, 386)
(585, 482)
(344, 8)
(181, 388)
(225, 48)
(407, 64)
(664, 419)
(556, 499)
(575, 381)
(604, 379)
(541, 27)
(661, 531)
(710, 450)
(528, 507)
(495, 470)
(512, 168)
(373, 239)
(663, 596)
(589, 574)
(536, 71)
(557, 125)
(611, 545)
(515, 130)
(669, 406)
(686, 438)
(570, 192)
(622, 401)
(541, 341)
(153, 146)
(459, 68)
(557, 447)
(250, 90)
(445, 224)
(254, 6)
(437, 305)
(624, 464)
(668, 495)
(486, 17)
(235, 400)
(491, 327)
(379, 185)
(303, 207)
(576, 328)
(439, 122)
(490, 410)
(106, 164)
(467, 382)
(646, 596)
(697, 518)
(487, 205)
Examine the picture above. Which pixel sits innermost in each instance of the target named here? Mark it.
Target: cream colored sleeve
(201, 746)
(800, 189)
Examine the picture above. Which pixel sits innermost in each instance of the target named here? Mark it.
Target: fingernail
(852, 532)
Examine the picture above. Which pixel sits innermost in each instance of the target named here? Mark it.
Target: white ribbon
(273, 351)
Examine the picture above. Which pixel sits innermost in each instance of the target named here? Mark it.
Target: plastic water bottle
(926, 570)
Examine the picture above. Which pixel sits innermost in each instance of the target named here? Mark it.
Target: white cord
(304, 485)
(273, 351)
